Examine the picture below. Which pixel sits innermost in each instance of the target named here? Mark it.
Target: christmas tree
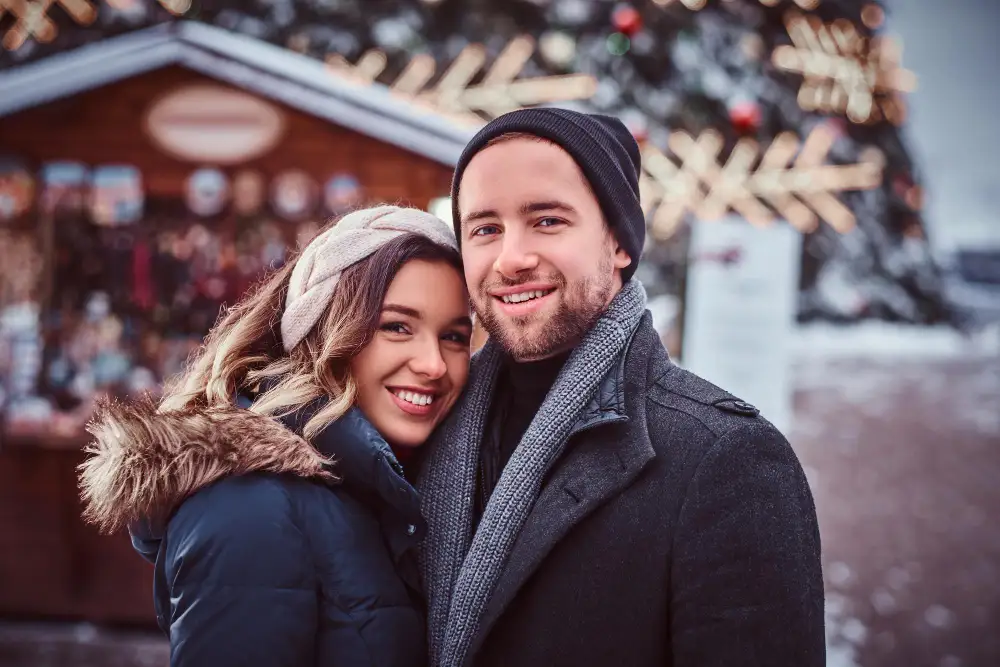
(738, 69)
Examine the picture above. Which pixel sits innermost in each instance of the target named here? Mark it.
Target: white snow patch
(843, 633)
(883, 339)
(664, 309)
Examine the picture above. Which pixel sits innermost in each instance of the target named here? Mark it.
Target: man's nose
(515, 256)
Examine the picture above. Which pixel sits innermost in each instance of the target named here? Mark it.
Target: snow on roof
(293, 79)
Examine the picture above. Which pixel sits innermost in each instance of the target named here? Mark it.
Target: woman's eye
(394, 327)
(458, 337)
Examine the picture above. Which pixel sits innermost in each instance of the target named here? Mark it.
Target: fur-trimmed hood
(142, 464)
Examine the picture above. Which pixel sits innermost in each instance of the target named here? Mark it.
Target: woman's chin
(404, 436)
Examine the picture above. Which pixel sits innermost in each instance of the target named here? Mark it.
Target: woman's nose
(428, 361)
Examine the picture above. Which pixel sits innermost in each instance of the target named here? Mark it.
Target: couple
(574, 498)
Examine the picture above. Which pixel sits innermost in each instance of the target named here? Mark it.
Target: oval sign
(208, 123)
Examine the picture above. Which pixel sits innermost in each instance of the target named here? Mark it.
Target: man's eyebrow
(526, 209)
(479, 215)
(539, 206)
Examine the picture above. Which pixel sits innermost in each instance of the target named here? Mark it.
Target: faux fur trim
(143, 464)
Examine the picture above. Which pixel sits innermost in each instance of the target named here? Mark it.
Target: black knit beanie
(602, 146)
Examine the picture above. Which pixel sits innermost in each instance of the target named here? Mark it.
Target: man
(589, 502)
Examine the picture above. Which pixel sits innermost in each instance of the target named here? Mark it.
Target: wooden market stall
(144, 181)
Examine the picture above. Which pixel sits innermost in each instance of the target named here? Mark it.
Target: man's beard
(537, 336)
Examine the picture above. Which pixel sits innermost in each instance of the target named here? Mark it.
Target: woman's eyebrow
(402, 310)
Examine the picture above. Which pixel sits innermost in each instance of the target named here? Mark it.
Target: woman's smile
(415, 402)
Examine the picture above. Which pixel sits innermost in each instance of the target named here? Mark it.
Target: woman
(265, 552)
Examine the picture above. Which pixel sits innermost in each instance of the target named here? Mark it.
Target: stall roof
(293, 79)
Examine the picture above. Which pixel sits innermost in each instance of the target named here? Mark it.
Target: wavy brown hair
(244, 351)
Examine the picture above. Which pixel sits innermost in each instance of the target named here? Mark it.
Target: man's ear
(622, 258)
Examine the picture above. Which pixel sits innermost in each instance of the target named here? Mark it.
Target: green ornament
(618, 44)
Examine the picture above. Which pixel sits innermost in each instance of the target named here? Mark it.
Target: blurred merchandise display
(17, 188)
(207, 192)
(64, 187)
(132, 294)
(248, 192)
(293, 195)
(116, 195)
(342, 193)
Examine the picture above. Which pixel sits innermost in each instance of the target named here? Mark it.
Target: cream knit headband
(355, 237)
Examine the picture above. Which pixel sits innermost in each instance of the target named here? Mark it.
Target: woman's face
(413, 370)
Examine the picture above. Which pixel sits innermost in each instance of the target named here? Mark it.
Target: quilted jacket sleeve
(241, 579)
(748, 586)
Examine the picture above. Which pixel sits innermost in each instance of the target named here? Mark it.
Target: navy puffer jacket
(264, 561)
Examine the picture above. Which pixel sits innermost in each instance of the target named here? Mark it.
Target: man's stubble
(534, 337)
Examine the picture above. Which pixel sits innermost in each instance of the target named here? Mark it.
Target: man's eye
(485, 230)
(549, 222)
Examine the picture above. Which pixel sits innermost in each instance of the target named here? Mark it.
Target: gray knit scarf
(462, 569)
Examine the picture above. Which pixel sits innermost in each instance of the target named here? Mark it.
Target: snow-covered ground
(884, 340)
(899, 431)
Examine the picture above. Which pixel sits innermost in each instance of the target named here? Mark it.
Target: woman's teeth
(523, 296)
(415, 398)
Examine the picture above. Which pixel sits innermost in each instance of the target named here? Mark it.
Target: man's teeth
(523, 296)
(415, 398)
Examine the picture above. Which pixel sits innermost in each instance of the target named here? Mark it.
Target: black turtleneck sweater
(520, 390)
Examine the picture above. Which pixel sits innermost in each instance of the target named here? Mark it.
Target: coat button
(411, 529)
(737, 406)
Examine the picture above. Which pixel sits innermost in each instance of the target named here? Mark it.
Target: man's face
(540, 262)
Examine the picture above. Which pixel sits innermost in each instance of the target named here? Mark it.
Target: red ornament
(745, 117)
(627, 20)
(639, 133)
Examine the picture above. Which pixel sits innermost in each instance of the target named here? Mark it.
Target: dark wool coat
(264, 562)
(677, 528)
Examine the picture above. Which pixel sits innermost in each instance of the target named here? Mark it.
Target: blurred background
(824, 242)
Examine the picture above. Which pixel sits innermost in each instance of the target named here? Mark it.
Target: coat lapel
(598, 466)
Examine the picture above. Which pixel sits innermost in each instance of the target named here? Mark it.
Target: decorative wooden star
(844, 72)
(33, 20)
(799, 188)
(498, 92)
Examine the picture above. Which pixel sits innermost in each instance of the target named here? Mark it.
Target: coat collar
(608, 404)
(363, 460)
(369, 470)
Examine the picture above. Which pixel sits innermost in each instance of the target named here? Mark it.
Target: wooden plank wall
(54, 566)
(105, 126)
